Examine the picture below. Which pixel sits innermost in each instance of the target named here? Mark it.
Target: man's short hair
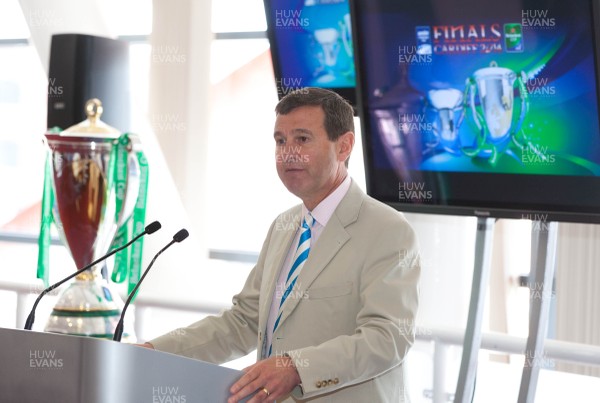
(339, 115)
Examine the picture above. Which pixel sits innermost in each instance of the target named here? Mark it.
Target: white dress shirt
(321, 213)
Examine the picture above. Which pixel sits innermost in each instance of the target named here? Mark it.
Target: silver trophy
(491, 97)
(88, 209)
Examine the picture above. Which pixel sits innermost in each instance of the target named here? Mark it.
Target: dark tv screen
(311, 45)
(486, 108)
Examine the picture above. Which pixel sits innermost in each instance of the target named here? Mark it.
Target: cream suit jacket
(348, 323)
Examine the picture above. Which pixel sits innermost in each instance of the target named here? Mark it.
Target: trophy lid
(92, 126)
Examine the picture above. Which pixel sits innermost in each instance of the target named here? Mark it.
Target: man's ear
(345, 146)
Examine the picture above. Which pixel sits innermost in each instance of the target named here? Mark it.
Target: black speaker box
(84, 67)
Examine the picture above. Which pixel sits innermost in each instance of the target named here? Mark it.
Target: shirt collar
(324, 210)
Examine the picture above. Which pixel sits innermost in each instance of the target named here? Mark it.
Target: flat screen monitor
(481, 107)
(311, 45)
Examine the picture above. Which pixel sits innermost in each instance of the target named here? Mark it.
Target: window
(249, 16)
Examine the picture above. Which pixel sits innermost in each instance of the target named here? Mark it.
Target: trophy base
(88, 308)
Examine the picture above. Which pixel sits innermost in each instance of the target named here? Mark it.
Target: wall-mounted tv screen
(481, 107)
(311, 45)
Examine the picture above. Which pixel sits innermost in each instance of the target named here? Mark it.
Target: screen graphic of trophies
(328, 39)
(446, 112)
(89, 206)
(490, 95)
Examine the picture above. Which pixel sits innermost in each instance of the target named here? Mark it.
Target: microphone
(150, 229)
(178, 237)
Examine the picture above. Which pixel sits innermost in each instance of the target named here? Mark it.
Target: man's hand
(268, 380)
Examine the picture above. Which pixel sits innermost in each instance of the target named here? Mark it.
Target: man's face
(308, 163)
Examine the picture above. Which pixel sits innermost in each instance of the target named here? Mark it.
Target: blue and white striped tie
(299, 259)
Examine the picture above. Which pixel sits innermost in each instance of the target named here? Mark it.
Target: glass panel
(238, 16)
(229, 56)
(116, 14)
(23, 100)
(131, 17)
(139, 77)
(241, 159)
(13, 24)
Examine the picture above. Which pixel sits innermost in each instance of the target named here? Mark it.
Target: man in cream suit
(345, 265)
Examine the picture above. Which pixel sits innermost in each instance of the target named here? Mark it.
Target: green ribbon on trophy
(46, 221)
(126, 264)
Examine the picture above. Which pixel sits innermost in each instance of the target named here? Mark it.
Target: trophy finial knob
(93, 110)
(92, 126)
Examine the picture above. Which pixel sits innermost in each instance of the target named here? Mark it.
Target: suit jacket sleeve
(388, 294)
(222, 338)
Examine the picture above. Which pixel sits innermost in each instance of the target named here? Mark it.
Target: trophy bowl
(495, 86)
(89, 206)
(490, 96)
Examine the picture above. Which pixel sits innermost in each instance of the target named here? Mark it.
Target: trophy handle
(524, 143)
(480, 145)
(524, 94)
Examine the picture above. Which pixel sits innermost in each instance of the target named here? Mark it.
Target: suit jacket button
(324, 383)
(318, 385)
(330, 382)
(336, 381)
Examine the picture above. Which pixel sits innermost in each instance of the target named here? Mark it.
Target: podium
(46, 367)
